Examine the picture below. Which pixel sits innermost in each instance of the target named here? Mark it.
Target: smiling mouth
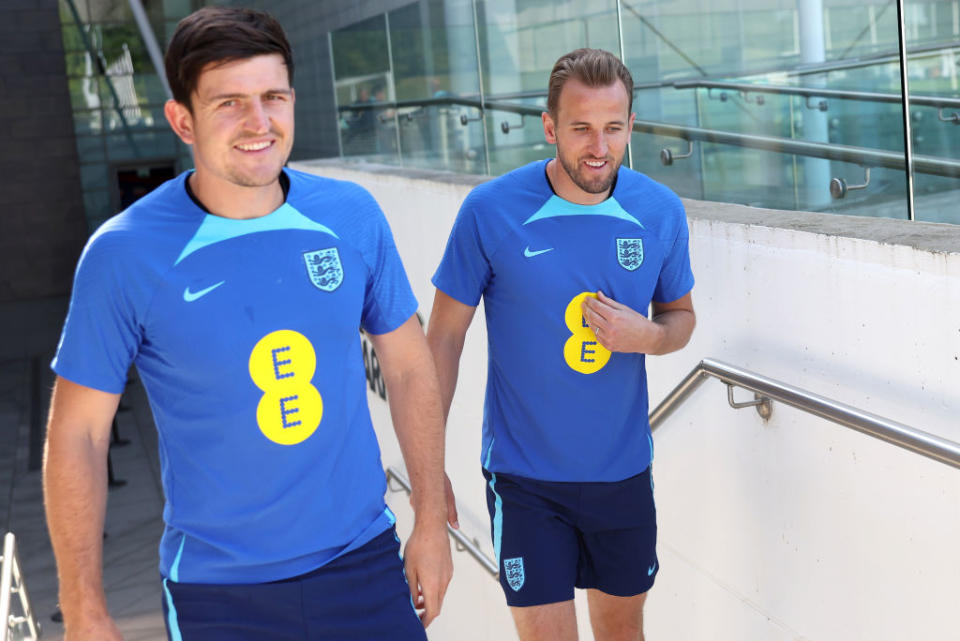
(255, 146)
(595, 164)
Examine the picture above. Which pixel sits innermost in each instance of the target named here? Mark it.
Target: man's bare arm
(75, 495)
(622, 329)
(411, 381)
(446, 332)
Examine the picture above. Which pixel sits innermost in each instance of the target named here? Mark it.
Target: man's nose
(598, 145)
(257, 119)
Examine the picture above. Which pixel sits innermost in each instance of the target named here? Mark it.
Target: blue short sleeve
(100, 337)
(388, 300)
(464, 271)
(676, 277)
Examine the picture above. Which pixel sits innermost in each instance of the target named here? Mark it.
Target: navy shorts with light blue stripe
(361, 596)
(551, 537)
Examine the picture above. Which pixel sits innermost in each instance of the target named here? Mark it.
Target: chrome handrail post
(6, 582)
(11, 581)
(675, 398)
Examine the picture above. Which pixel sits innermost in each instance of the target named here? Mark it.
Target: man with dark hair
(238, 289)
(568, 254)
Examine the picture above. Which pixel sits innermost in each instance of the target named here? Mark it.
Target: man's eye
(228, 103)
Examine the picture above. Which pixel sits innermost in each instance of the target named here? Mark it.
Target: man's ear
(180, 119)
(549, 128)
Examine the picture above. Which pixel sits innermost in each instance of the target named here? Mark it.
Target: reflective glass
(933, 29)
(790, 105)
(361, 63)
(750, 77)
(140, 145)
(93, 176)
(520, 40)
(434, 56)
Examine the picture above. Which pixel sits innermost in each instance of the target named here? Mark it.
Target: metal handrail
(864, 96)
(459, 537)
(862, 156)
(766, 390)
(11, 582)
(904, 436)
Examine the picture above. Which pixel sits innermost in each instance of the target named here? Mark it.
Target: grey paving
(133, 521)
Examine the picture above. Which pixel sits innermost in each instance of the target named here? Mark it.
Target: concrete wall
(42, 227)
(793, 528)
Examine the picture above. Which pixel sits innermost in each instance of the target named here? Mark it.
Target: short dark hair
(219, 35)
(592, 67)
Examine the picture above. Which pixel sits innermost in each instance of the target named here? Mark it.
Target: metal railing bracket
(667, 156)
(763, 404)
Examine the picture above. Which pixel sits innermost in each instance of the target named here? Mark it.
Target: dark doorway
(134, 182)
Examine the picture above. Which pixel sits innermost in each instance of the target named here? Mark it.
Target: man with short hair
(238, 289)
(568, 254)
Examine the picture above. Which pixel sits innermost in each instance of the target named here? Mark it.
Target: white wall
(791, 529)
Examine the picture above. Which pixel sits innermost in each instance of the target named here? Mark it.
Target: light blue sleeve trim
(175, 566)
(172, 624)
(486, 461)
(497, 518)
(556, 207)
(215, 229)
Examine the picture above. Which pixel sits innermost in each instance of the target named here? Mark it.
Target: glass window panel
(361, 49)
(434, 56)
(93, 176)
(935, 106)
(86, 93)
(141, 145)
(87, 122)
(857, 30)
(370, 133)
(768, 52)
(72, 40)
(520, 40)
(96, 204)
(90, 148)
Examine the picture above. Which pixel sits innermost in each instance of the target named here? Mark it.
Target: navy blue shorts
(361, 596)
(551, 537)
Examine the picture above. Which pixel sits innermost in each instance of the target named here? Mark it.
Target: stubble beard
(596, 186)
(255, 178)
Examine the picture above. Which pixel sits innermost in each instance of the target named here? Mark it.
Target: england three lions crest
(513, 568)
(324, 268)
(630, 253)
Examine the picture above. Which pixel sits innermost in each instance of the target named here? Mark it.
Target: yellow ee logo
(582, 351)
(282, 364)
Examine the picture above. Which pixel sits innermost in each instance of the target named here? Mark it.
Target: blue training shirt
(245, 335)
(559, 406)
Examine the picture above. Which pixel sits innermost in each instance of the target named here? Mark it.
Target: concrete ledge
(931, 237)
(430, 175)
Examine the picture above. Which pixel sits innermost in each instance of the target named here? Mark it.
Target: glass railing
(695, 159)
(798, 107)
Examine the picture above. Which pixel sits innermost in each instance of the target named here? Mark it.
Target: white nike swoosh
(192, 296)
(530, 254)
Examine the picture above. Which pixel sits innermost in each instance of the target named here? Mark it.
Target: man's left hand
(428, 567)
(620, 328)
